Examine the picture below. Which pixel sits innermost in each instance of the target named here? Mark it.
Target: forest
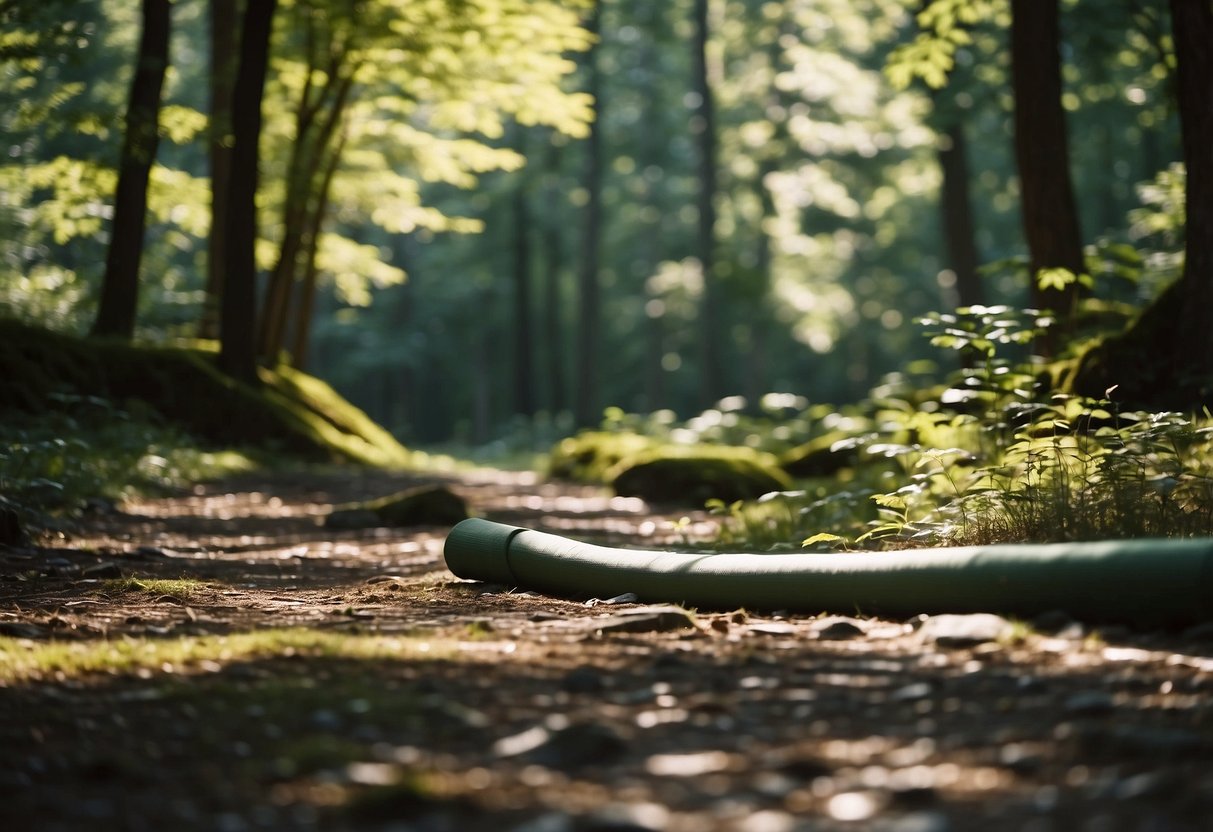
(490, 224)
(606, 415)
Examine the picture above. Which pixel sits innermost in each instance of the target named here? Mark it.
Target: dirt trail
(487, 708)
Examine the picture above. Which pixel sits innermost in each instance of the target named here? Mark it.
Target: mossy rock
(588, 456)
(423, 506)
(672, 475)
(290, 412)
(819, 457)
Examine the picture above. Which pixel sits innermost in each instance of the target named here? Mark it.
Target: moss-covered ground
(289, 412)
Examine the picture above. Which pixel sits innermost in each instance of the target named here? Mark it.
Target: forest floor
(228, 663)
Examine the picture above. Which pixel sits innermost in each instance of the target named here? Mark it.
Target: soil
(509, 711)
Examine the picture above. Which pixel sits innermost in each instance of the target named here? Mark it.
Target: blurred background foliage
(451, 256)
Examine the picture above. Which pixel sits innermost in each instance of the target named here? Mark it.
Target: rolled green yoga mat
(1139, 582)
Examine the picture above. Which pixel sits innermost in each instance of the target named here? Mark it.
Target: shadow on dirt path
(220, 660)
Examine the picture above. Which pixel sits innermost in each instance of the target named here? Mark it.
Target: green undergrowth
(57, 463)
(22, 660)
(997, 452)
(93, 418)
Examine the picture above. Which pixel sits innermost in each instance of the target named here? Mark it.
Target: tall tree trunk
(120, 288)
(553, 256)
(524, 346)
(586, 403)
(224, 29)
(711, 370)
(654, 151)
(1050, 217)
(957, 214)
(1164, 360)
(237, 320)
(483, 365)
(760, 320)
(305, 176)
(307, 287)
(1192, 25)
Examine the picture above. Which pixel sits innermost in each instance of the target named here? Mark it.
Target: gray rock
(839, 629)
(351, 518)
(625, 598)
(1090, 703)
(101, 570)
(579, 744)
(965, 630)
(914, 822)
(1053, 621)
(634, 817)
(658, 619)
(772, 628)
(1148, 785)
(583, 680)
(1144, 741)
(550, 822)
(19, 629)
(912, 692)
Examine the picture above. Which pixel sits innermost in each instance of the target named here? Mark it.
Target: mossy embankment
(289, 413)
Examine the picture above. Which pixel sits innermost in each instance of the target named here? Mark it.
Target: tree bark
(711, 371)
(317, 121)
(224, 31)
(120, 287)
(1192, 24)
(553, 256)
(237, 320)
(307, 286)
(1164, 360)
(1050, 217)
(524, 346)
(586, 403)
(957, 214)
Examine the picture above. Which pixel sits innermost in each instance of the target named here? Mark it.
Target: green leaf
(889, 501)
(821, 537)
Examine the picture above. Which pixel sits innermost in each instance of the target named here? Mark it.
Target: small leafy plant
(997, 456)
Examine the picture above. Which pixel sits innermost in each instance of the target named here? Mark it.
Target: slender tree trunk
(553, 257)
(1050, 217)
(238, 353)
(586, 401)
(757, 380)
(648, 246)
(305, 175)
(711, 368)
(524, 346)
(483, 352)
(224, 29)
(957, 214)
(120, 288)
(307, 286)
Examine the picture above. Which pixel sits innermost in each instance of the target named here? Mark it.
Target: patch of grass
(22, 660)
(180, 588)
